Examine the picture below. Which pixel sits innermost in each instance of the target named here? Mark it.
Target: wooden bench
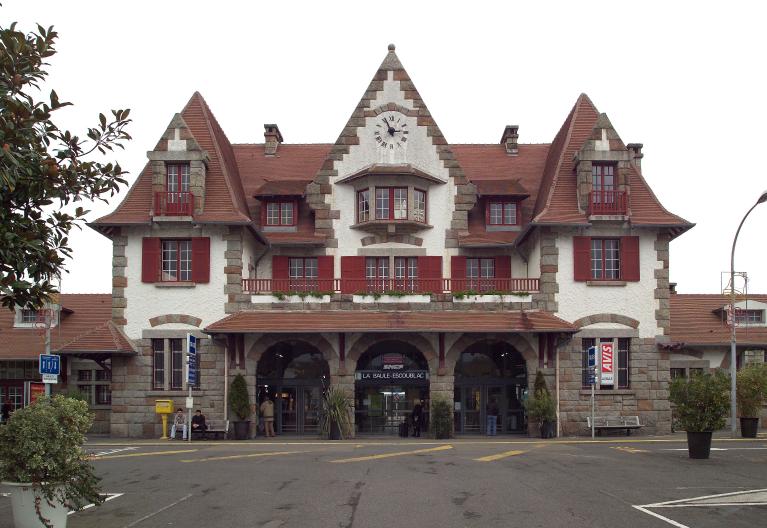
(619, 422)
(213, 432)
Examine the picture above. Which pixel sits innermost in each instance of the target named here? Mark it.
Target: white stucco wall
(251, 251)
(635, 299)
(146, 300)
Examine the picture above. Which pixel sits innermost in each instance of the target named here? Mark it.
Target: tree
(44, 169)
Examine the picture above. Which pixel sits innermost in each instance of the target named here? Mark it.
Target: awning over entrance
(370, 321)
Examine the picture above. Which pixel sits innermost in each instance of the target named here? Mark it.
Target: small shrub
(702, 401)
(239, 401)
(441, 417)
(335, 410)
(752, 390)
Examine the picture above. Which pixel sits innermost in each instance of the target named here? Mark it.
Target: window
(502, 213)
(176, 260)
(605, 259)
(103, 395)
(749, 317)
(169, 355)
(363, 205)
(28, 316)
(603, 177)
(678, 373)
(84, 375)
(178, 177)
(419, 205)
(280, 214)
(400, 203)
(621, 348)
(302, 273)
(382, 203)
(377, 273)
(406, 273)
(19, 370)
(95, 386)
(391, 203)
(480, 274)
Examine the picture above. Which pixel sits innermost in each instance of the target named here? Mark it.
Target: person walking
(267, 412)
(417, 418)
(492, 417)
(179, 420)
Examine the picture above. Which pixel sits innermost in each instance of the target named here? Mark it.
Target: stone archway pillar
(342, 377)
(442, 382)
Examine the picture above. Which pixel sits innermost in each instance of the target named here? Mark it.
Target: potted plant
(752, 388)
(542, 408)
(441, 417)
(702, 404)
(41, 458)
(239, 404)
(334, 422)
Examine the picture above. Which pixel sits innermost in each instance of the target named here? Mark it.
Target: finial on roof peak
(392, 47)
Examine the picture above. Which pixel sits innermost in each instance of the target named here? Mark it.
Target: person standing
(267, 412)
(417, 417)
(179, 420)
(492, 417)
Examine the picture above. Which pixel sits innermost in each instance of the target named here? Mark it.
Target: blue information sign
(192, 360)
(50, 364)
(592, 357)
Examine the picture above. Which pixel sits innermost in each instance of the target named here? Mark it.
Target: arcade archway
(490, 375)
(391, 378)
(294, 375)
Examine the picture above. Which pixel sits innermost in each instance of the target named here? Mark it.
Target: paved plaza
(616, 481)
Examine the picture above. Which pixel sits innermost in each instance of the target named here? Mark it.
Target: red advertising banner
(606, 353)
(36, 390)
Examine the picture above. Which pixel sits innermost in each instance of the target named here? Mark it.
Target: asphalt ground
(614, 482)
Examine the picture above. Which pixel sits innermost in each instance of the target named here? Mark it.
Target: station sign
(607, 364)
(392, 376)
(592, 356)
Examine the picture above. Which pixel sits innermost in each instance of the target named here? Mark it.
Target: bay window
(382, 203)
(419, 205)
(363, 205)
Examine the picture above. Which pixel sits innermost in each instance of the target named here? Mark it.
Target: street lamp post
(733, 337)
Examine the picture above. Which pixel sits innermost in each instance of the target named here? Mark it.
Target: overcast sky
(687, 79)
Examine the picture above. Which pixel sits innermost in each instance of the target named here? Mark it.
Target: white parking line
(109, 497)
(710, 501)
(113, 451)
(721, 449)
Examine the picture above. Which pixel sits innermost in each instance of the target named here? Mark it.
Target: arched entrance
(490, 371)
(294, 374)
(391, 377)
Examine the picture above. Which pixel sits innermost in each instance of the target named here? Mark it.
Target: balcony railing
(608, 203)
(412, 286)
(173, 204)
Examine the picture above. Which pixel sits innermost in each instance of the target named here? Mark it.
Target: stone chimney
(509, 138)
(672, 288)
(635, 149)
(272, 139)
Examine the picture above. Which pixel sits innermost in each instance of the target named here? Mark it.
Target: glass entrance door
(472, 402)
(311, 403)
(286, 410)
(472, 410)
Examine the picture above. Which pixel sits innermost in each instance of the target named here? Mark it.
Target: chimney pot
(672, 287)
(272, 139)
(636, 154)
(509, 138)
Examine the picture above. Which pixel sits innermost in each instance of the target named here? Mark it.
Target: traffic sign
(592, 379)
(191, 359)
(192, 344)
(592, 356)
(50, 378)
(50, 364)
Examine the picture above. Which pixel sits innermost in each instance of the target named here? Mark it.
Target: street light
(733, 338)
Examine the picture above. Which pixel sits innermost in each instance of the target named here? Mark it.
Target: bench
(619, 422)
(213, 432)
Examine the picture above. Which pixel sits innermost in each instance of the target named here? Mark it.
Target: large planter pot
(548, 429)
(24, 512)
(699, 444)
(749, 427)
(241, 430)
(335, 431)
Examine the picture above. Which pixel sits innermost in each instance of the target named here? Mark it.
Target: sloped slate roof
(696, 319)
(85, 326)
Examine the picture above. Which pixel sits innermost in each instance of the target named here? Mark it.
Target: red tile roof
(369, 321)
(696, 319)
(85, 325)
(500, 188)
(282, 188)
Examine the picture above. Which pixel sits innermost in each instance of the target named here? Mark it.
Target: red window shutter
(325, 273)
(150, 259)
(582, 254)
(201, 259)
(457, 273)
(280, 274)
(352, 274)
(430, 274)
(630, 258)
(503, 272)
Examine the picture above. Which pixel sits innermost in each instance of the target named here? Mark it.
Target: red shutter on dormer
(430, 274)
(457, 273)
(630, 258)
(325, 273)
(352, 274)
(201, 259)
(503, 272)
(582, 254)
(150, 259)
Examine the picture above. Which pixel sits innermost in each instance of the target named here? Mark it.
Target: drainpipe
(226, 381)
(556, 366)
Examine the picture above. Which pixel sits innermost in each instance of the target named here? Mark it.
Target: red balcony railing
(608, 203)
(173, 204)
(413, 286)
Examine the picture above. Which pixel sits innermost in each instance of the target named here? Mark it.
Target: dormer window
(282, 213)
(176, 200)
(749, 317)
(502, 213)
(603, 177)
(177, 177)
(28, 316)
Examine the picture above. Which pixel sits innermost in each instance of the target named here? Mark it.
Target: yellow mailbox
(164, 408)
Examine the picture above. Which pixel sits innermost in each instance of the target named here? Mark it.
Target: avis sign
(607, 364)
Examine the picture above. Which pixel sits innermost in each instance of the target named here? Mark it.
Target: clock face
(391, 130)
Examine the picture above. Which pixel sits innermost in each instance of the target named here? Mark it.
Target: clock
(391, 130)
